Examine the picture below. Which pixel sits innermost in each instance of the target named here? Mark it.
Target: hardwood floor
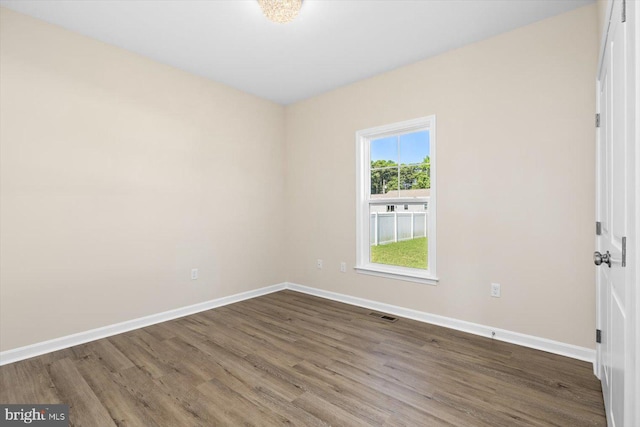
(290, 358)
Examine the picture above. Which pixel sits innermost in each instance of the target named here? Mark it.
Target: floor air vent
(384, 317)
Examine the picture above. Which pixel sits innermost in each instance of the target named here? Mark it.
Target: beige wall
(515, 174)
(118, 175)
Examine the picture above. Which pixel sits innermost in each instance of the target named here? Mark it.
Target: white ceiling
(330, 44)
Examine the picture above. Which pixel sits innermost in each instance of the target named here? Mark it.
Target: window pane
(415, 180)
(385, 149)
(414, 147)
(384, 181)
(398, 236)
(384, 167)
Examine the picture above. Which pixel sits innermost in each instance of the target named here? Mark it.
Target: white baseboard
(556, 347)
(37, 349)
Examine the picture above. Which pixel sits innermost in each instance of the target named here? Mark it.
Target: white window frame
(363, 190)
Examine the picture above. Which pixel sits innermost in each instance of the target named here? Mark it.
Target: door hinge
(598, 336)
(598, 120)
(624, 251)
(598, 228)
(624, 11)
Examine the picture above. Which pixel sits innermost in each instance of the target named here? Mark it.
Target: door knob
(598, 258)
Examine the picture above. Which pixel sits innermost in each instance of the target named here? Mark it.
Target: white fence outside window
(389, 227)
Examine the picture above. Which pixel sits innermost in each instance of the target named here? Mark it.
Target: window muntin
(396, 200)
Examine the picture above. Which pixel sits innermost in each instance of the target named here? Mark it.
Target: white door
(615, 166)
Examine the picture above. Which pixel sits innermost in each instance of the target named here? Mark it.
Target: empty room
(319, 213)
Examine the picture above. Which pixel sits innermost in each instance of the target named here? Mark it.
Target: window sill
(391, 273)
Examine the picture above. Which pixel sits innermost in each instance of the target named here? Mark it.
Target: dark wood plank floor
(290, 358)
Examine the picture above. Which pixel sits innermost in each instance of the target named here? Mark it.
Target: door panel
(618, 130)
(617, 363)
(605, 346)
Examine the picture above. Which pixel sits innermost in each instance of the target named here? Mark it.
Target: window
(396, 191)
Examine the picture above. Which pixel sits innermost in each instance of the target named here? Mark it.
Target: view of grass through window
(408, 253)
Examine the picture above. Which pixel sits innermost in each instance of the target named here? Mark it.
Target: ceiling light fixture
(280, 11)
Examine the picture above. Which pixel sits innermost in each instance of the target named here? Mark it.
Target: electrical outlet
(319, 264)
(343, 267)
(194, 274)
(495, 290)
